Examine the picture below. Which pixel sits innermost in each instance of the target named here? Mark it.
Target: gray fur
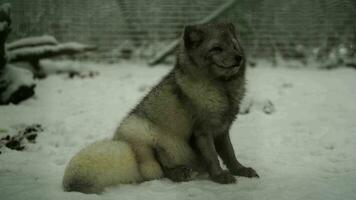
(196, 103)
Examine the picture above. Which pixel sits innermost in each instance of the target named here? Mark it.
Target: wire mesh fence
(268, 28)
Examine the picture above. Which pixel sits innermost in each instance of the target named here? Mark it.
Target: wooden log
(32, 42)
(171, 48)
(33, 54)
(47, 51)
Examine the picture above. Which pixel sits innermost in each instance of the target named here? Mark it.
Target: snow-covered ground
(304, 150)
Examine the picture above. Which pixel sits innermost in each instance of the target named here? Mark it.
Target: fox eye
(216, 49)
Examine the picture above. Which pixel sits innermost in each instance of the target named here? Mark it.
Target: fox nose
(238, 59)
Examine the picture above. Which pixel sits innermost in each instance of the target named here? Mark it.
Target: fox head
(214, 48)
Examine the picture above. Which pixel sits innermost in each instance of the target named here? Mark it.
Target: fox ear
(233, 31)
(232, 28)
(192, 36)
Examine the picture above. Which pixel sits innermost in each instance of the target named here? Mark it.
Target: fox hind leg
(175, 159)
(148, 166)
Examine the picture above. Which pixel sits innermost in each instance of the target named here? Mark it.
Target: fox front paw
(180, 174)
(224, 177)
(246, 172)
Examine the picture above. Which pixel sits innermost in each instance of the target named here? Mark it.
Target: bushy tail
(81, 185)
(99, 165)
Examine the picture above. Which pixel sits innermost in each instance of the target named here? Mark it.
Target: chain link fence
(268, 28)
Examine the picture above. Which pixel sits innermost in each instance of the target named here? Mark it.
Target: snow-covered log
(46, 51)
(46, 47)
(32, 42)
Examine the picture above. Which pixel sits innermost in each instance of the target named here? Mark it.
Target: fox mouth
(228, 67)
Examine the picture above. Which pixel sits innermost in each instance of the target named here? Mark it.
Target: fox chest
(216, 103)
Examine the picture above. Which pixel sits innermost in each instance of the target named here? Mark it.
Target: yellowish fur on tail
(99, 165)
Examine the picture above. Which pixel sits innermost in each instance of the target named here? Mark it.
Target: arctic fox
(181, 126)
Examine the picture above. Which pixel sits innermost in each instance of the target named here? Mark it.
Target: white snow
(303, 150)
